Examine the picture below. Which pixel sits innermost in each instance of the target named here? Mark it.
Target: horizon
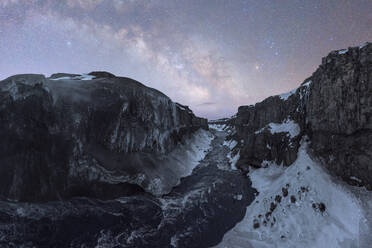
(211, 56)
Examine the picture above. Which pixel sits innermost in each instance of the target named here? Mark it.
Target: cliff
(88, 135)
(332, 109)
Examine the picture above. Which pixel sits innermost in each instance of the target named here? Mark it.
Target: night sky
(211, 55)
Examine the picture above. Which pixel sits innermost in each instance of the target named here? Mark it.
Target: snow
(288, 94)
(343, 51)
(307, 84)
(289, 126)
(62, 78)
(355, 179)
(13, 90)
(86, 77)
(81, 77)
(285, 96)
(230, 143)
(174, 241)
(217, 127)
(365, 44)
(233, 159)
(301, 223)
(238, 197)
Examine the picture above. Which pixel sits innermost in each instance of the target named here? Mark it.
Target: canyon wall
(88, 135)
(332, 109)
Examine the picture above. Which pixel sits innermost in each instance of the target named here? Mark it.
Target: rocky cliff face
(91, 135)
(333, 108)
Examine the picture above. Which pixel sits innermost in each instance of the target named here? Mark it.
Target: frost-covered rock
(89, 135)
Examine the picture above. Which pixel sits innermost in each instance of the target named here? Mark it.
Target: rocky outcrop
(333, 108)
(87, 135)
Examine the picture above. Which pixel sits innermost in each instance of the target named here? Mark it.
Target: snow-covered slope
(301, 206)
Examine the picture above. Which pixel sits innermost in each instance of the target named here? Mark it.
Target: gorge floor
(196, 213)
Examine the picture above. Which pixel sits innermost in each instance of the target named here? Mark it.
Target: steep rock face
(339, 113)
(73, 135)
(260, 140)
(333, 108)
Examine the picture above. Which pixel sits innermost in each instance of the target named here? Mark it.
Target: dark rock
(285, 192)
(333, 108)
(322, 207)
(278, 198)
(256, 224)
(319, 206)
(268, 214)
(304, 189)
(60, 75)
(339, 113)
(272, 206)
(102, 74)
(99, 138)
(293, 199)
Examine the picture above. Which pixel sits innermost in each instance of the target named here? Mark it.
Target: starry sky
(213, 55)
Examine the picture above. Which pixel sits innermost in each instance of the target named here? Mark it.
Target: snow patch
(307, 84)
(365, 44)
(355, 179)
(233, 159)
(217, 127)
(230, 143)
(288, 94)
(238, 197)
(289, 126)
(81, 77)
(343, 51)
(298, 206)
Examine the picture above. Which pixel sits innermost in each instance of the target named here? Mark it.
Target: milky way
(210, 55)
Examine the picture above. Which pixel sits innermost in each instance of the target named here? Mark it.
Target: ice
(301, 223)
(289, 126)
